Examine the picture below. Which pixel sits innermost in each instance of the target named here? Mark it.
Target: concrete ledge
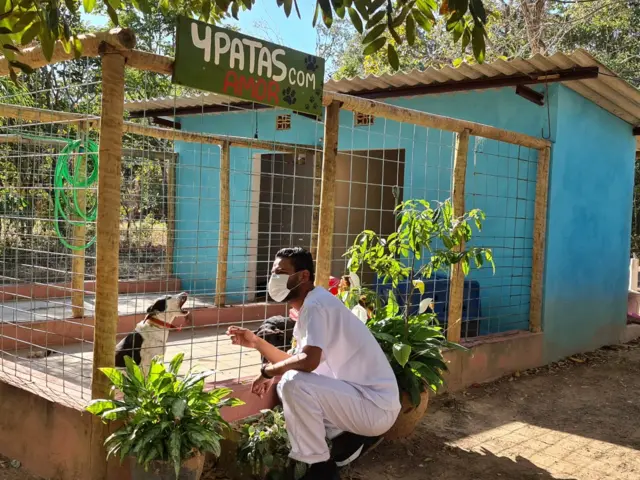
(53, 440)
(253, 404)
(630, 333)
(492, 357)
(49, 439)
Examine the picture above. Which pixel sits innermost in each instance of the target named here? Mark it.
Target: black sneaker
(322, 471)
(347, 447)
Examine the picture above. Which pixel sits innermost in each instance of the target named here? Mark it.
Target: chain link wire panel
(209, 196)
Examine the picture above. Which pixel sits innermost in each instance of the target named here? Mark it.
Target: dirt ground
(577, 419)
(9, 471)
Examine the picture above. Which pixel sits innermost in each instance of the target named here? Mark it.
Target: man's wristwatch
(264, 373)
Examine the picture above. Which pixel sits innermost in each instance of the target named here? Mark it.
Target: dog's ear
(160, 305)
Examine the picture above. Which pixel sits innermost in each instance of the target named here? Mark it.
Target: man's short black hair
(300, 258)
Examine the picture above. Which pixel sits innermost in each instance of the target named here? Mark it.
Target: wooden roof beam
(429, 120)
(60, 143)
(32, 114)
(120, 38)
(164, 65)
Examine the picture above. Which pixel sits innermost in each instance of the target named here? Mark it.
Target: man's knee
(292, 384)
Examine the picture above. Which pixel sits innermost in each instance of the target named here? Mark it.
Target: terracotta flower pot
(191, 469)
(409, 417)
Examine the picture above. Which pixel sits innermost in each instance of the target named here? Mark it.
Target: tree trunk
(534, 12)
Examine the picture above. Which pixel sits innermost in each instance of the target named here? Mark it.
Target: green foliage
(430, 43)
(265, 447)
(607, 29)
(27, 193)
(164, 417)
(420, 226)
(390, 23)
(357, 295)
(143, 195)
(413, 345)
(435, 237)
(50, 20)
(26, 207)
(27, 186)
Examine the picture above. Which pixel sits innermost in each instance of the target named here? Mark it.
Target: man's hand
(246, 338)
(261, 385)
(243, 337)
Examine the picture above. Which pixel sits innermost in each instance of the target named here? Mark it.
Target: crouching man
(337, 383)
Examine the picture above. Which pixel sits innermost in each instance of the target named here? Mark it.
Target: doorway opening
(369, 185)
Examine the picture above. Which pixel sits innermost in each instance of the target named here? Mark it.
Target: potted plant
(166, 423)
(428, 239)
(265, 447)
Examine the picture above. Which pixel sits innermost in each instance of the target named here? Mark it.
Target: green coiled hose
(63, 175)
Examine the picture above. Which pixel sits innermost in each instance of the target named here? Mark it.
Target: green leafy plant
(265, 447)
(428, 239)
(352, 294)
(388, 23)
(51, 20)
(164, 417)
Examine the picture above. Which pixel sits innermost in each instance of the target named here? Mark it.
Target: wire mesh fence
(501, 181)
(385, 162)
(44, 206)
(173, 226)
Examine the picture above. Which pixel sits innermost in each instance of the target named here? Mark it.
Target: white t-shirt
(349, 350)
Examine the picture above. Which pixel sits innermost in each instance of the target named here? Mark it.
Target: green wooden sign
(226, 62)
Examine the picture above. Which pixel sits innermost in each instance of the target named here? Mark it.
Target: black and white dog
(149, 339)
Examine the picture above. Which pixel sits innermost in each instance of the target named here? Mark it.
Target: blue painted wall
(589, 227)
(198, 206)
(589, 202)
(501, 181)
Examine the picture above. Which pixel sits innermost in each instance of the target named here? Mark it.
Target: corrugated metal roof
(607, 90)
(186, 101)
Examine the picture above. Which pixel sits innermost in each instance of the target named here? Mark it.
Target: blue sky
(266, 21)
(291, 32)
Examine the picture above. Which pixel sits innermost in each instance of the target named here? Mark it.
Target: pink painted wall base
(52, 440)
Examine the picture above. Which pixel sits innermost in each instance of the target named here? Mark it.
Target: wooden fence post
(456, 286)
(108, 224)
(328, 195)
(634, 268)
(80, 230)
(108, 221)
(107, 243)
(315, 216)
(539, 240)
(171, 216)
(225, 220)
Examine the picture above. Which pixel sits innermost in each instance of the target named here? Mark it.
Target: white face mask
(278, 287)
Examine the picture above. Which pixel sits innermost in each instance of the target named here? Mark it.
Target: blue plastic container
(437, 288)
